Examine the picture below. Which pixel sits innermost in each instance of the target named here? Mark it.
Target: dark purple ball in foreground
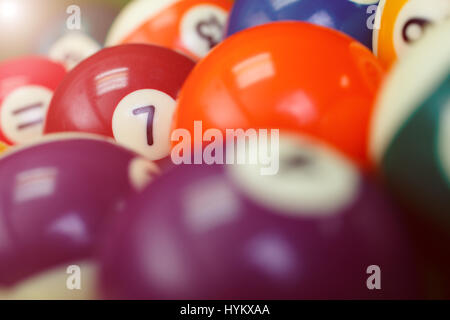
(55, 198)
(227, 232)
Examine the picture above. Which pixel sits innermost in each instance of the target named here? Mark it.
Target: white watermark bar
(236, 146)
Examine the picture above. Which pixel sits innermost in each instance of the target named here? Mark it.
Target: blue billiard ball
(353, 17)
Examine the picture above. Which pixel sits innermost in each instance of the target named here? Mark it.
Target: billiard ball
(72, 48)
(278, 76)
(348, 16)
(3, 147)
(192, 27)
(26, 88)
(45, 27)
(77, 31)
(127, 92)
(57, 196)
(52, 284)
(410, 134)
(312, 231)
(400, 23)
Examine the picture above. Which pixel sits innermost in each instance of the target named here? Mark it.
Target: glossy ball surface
(400, 23)
(410, 135)
(348, 16)
(34, 27)
(26, 88)
(76, 30)
(192, 27)
(279, 76)
(55, 199)
(3, 147)
(127, 92)
(54, 284)
(227, 232)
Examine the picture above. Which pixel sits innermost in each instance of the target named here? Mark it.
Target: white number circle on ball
(73, 48)
(203, 27)
(23, 113)
(142, 122)
(414, 18)
(312, 180)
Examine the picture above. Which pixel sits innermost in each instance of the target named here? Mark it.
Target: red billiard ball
(26, 88)
(127, 92)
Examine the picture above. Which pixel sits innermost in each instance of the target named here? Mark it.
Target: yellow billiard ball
(400, 23)
(3, 147)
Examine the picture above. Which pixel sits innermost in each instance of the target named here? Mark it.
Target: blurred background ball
(227, 232)
(410, 135)
(26, 88)
(349, 16)
(54, 284)
(192, 27)
(400, 23)
(42, 27)
(56, 197)
(3, 147)
(410, 142)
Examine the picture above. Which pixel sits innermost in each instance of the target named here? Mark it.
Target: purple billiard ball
(56, 196)
(318, 229)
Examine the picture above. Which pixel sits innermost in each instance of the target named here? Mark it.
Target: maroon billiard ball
(126, 92)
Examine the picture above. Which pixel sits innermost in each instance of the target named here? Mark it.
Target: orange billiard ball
(192, 27)
(291, 76)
